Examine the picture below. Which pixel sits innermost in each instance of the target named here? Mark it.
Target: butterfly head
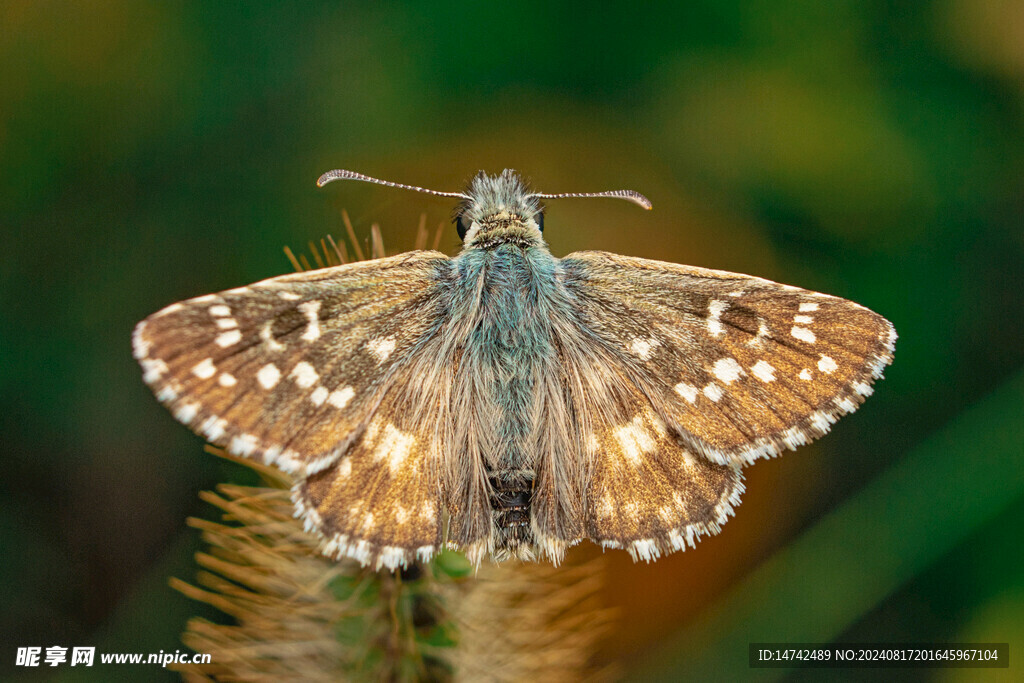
(497, 207)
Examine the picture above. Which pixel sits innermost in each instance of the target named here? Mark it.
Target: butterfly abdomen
(510, 505)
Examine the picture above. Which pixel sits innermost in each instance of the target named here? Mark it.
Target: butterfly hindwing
(288, 370)
(381, 502)
(641, 489)
(650, 494)
(739, 367)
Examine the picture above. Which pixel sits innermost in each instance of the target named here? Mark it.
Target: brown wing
(380, 503)
(289, 370)
(648, 493)
(737, 366)
(643, 490)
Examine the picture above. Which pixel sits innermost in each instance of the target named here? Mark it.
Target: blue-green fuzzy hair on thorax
(502, 196)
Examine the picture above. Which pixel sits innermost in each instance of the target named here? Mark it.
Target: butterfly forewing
(739, 367)
(289, 370)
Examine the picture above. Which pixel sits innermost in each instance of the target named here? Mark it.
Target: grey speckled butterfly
(507, 402)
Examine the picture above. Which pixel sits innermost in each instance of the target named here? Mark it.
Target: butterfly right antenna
(629, 195)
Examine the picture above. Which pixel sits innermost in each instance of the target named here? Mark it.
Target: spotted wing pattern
(737, 367)
(380, 502)
(639, 486)
(650, 494)
(301, 370)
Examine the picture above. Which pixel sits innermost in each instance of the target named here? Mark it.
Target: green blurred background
(872, 150)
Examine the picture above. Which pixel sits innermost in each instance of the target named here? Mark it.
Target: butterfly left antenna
(341, 174)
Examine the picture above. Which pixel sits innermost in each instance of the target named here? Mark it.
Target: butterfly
(506, 402)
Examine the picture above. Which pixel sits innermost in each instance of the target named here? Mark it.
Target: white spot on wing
(290, 461)
(267, 335)
(243, 445)
(634, 439)
(713, 392)
(391, 557)
(271, 454)
(229, 338)
(727, 370)
(360, 552)
(806, 375)
(227, 380)
(167, 393)
(715, 310)
(226, 323)
(214, 428)
(762, 332)
(863, 388)
(304, 374)
(339, 398)
(205, 369)
(140, 345)
(846, 404)
(794, 437)
(827, 365)
(289, 296)
(311, 309)
(690, 462)
(219, 310)
(808, 308)
(803, 334)
(345, 467)
(319, 395)
(268, 376)
(381, 348)
(687, 391)
(394, 447)
(153, 369)
(763, 371)
(643, 347)
(821, 420)
(803, 319)
(645, 549)
(186, 412)
(429, 512)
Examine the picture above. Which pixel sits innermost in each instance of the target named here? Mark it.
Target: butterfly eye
(540, 221)
(462, 224)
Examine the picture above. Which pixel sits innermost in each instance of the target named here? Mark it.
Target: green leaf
(453, 564)
(442, 635)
